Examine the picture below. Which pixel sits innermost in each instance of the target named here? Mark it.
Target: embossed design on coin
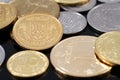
(37, 31)
(75, 57)
(7, 14)
(36, 6)
(2, 55)
(27, 64)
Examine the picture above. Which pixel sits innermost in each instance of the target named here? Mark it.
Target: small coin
(72, 22)
(109, 1)
(36, 6)
(75, 57)
(27, 63)
(105, 17)
(7, 14)
(2, 55)
(37, 31)
(6, 1)
(107, 47)
(80, 8)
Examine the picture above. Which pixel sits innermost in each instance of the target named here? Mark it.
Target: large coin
(72, 22)
(107, 47)
(25, 7)
(79, 8)
(37, 31)
(75, 57)
(105, 17)
(2, 55)
(27, 64)
(109, 1)
(7, 14)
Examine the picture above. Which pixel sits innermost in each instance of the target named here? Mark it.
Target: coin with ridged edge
(7, 14)
(37, 31)
(36, 6)
(109, 1)
(107, 47)
(75, 57)
(2, 55)
(27, 64)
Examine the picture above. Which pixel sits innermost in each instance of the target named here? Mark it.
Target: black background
(11, 47)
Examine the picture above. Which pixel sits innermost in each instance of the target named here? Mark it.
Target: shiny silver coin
(80, 8)
(109, 1)
(6, 1)
(105, 17)
(2, 55)
(72, 22)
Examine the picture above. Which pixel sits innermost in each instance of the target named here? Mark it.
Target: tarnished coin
(25, 7)
(37, 31)
(75, 57)
(27, 63)
(71, 1)
(6, 1)
(2, 55)
(107, 47)
(79, 8)
(109, 1)
(105, 17)
(72, 22)
(7, 14)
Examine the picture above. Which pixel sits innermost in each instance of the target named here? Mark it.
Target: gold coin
(27, 63)
(7, 14)
(37, 31)
(70, 2)
(25, 7)
(75, 57)
(107, 47)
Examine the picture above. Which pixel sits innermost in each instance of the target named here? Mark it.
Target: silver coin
(72, 22)
(84, 7)
(105, 17)
(109, 1)
(2, 55)
(6, 1)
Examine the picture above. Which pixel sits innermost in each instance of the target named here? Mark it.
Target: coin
(75, 57)
(80, 8)
(2, 55)
(5, 1)
(109, 1)
(36, 6)
(105, 17)
(72, 22)
(27, 63)
(7, 14)
(37, 31)
(107, 47)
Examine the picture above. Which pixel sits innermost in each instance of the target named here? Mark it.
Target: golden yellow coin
(37, 31)
(107, 47)
(7, 14)
(27, 63)
(71, 1)
(25, 7)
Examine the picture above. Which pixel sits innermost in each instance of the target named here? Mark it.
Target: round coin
(105, 17)
(37, 31)
(36, 6)
(7, 14)
(2, 55)
(109, 1)
(80, 8)
(72, 22)
(75, 57)
(107, 47)
(27, 64)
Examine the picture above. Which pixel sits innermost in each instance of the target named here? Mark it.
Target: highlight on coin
(2, 55)
(27, 63)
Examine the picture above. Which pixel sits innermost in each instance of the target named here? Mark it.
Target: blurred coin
(107, 47)
(7, 14)
(109, 1)
(2, 55)
(105, 17)
(79, 8)
(27, 64)
(72, 22)
(75, 57)
(37, 31)
(25, 7)
(5, 1)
